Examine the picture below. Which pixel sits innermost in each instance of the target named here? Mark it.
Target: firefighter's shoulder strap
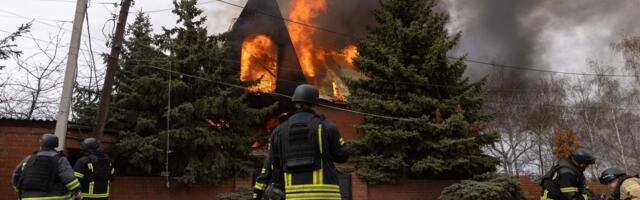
(99, 168)
(301, 145)
(548, 183)
(39, 173)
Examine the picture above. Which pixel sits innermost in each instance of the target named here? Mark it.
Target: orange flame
(336, 92)
(259, 59)
(305, 11)
(320, 64)
(350, 52)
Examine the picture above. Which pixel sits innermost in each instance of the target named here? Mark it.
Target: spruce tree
(210, 124)
(436, 125)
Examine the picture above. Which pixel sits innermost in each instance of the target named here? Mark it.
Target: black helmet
(305, 93)
(583, 156)
(90, 144)
(610, 174)
(49, 141)
(283, 117)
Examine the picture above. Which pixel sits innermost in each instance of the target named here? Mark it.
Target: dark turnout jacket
(45, 166)
(95, 172)
(314, 184)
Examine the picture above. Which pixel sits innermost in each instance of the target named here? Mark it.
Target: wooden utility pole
(112, 67)
(62, 117)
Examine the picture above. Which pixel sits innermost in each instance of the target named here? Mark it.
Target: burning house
(279, 51)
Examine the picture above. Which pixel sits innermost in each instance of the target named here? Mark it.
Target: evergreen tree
(409, 76)
(210, 124)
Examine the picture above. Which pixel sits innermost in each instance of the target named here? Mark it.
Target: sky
(554, 35)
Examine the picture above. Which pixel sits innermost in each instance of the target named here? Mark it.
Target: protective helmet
(49, 141)
(610, 174)
(583, 156)
(90, 144)
(305, 93)
(283, 117)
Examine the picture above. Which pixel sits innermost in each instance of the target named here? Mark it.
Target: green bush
(239, 194)
(489, 186)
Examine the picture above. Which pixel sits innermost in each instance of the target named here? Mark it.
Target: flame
(320, 64)
(259, 59)
(336, 92)
(349, 53)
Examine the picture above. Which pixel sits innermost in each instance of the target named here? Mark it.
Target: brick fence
(18, 138)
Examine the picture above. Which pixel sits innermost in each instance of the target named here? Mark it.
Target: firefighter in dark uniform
(304, 149)
(266, 173)
(624, 187)
(46, 174)
(566, 181)
(94, 170)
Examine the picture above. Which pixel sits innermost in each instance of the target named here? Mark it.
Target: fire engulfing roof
(264, 17)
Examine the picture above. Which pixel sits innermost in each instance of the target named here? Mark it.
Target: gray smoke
(556, 35)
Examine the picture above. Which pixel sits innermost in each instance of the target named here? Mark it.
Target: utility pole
(112, 64)
(62, 116)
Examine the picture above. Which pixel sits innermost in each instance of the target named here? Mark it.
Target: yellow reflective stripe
(555, 175)
(544, 195)
(312, 187)
(585, 196)
(569, 189)
(287, 180)
(254, 195)
(632, 187)
(341, 141)
(23, 164)
(321, 173)
(90, 166)
(78, 174)
(90, 195)
(264, 170)
(260, 186)
(73, 184)
(313, 195)
(91, 187)
(315, 177)
(113, 171)
(65, 197)
(320, 136)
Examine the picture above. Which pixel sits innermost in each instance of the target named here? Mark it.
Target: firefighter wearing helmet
(94, 170)
(304, 149)
(566, 181)
(46, 174)
(624, 187)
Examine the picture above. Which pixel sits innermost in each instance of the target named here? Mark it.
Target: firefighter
(566, 181)
(624, 187)
(94, 170)
(304, 149)
(265, 177)
(46, 174)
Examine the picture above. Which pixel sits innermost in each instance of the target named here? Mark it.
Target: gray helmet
(583, 156)
(49, 141)
(305, 93)
(610, 174)
(90, 144)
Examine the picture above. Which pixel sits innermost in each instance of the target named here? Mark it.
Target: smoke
(556, 35)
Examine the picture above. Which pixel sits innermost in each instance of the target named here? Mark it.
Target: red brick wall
(409, 189)
(345, 121)
(19, 138)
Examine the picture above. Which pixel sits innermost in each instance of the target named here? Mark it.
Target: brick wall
(19, 138)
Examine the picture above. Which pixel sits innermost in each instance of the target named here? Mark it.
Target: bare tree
(38, 77)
